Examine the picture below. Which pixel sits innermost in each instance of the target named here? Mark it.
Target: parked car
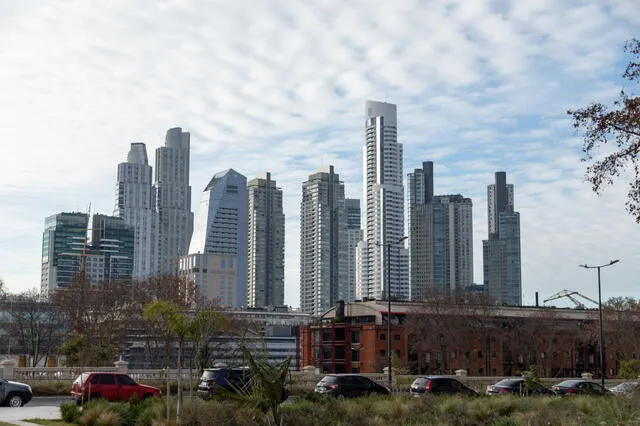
(14, 394)
(109, 386)
(217, 381)
(349, 386)
(516, 386)
(626, 388)
(579, 387)
(440, 385)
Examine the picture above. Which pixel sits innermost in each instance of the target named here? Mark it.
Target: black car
(349, 386)
(218, 381)
(14, 394)
(579, 387)
(516, 386)
(440, 385)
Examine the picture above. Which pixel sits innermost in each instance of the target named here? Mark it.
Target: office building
(173, 203)
(323, 242)
(64, 241)
(111, 250)
(501, 251)
(136, 204)
(217, 259)
(383, 199)
(440, 238)
(265, 275)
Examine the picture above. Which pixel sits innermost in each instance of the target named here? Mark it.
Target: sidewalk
(16, 416)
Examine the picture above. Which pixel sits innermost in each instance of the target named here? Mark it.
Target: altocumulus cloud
(281, 85)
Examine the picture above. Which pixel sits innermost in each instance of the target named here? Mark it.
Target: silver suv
(14, 394)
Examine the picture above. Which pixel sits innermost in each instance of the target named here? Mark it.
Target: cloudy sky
(280, 86)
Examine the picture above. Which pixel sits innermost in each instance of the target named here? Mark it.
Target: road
(43, 407)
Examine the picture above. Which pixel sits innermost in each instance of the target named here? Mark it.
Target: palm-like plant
(268, 385)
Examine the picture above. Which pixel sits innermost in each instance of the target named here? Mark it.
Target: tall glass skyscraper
(112, 249)
(136, 204)
(440, 238)
(501, 251)
(173, 203)
(383, 217)
(354, 236)
(217, 259)
(323, 242)
(64, 240)
(265, 285)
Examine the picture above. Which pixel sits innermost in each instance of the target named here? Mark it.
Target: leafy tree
(600, 125)
(532, 379)
(629, 369)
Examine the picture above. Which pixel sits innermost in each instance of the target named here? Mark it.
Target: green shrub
(70, 413)
(108, 418)
(90, 414)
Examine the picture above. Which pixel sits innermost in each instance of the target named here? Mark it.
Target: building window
(480, 355)
(383, 336)
(355, 356)
(355, 337)
(396, 337)
(383, 352)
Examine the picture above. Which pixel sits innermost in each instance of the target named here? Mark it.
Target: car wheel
(15, 400)
(147, 396)
(94, 396)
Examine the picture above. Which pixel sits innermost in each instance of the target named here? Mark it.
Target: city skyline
(479, 88)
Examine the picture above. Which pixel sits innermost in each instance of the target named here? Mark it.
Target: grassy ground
(311, 410)
(47, 422)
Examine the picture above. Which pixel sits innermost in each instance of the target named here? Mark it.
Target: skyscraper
(136, 204)
(323, 242)
(440, 238)
(64, 240)
(68, 254)
(383, 198)
(111, 250)
(217, 259)
(354, 236)
(175, 219)
(501, 251)
(265, 285)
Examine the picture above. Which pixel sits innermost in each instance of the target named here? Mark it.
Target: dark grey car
(14, 394)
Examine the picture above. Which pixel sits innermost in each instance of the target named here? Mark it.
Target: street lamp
(388, 246)
(598, 267)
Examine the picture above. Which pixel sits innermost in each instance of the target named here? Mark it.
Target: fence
(298, 380)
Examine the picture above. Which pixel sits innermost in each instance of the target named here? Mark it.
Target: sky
(280, 86)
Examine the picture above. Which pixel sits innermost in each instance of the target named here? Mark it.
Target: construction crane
(570, 295)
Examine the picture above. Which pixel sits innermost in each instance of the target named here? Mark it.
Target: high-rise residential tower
(501, 251)
(217, 259)
(173, 204)
(383, 198)
(265, 275)
(354, 236)
(440, 238)
(323, 242)
(136, 204)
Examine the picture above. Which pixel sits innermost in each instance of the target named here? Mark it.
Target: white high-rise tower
(383, 213)
(135, 203)
(175, 218)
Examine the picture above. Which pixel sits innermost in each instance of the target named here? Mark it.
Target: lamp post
(389, 349)
(598, 267)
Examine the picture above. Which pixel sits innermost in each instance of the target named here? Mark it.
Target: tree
(600, 125)
(35, 325)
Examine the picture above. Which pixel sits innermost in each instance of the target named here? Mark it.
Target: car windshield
(328, 380)
(81, 378)
(210, 374)
(567, 383)
(509, 382)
